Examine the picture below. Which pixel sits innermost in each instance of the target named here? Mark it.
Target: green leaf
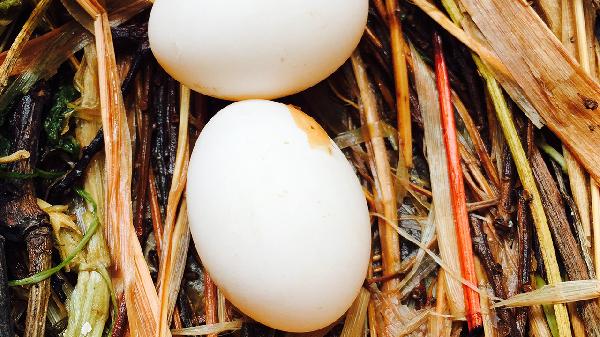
(69, 145)
(59, 114)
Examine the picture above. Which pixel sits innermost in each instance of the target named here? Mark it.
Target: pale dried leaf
(436, 158)
(564, 292)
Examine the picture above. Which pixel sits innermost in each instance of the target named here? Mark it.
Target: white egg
(278, 216)
(242, 49)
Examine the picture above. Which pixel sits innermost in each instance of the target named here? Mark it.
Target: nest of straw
(472, 125)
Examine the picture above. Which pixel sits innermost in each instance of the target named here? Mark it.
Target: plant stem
(478, 142)
(384, 184)
(458, 198)
(502, 219)
(21, 214)
(401, 82)
(524, 254)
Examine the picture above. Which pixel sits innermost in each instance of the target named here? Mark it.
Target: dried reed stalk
(209, 329)
(401, 82)
(457, 189)
(384, 183)
(537, 322)
(440, 188)
(566, 243)
(480, 147)
(563, 292)
(130, 272)
(439, 324)
(14, 157)
(584, 61)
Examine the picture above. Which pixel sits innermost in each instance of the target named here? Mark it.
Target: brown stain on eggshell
(317, 137)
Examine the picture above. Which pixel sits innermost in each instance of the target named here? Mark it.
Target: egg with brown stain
(278, 216)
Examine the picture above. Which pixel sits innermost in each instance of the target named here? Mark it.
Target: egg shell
(278, 216)
(241, 49)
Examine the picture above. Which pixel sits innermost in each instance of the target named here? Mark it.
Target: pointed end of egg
(316, 135)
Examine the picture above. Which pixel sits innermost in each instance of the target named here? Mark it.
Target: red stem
(457, 189)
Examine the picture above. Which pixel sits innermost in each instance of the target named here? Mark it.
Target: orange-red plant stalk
(457, 189)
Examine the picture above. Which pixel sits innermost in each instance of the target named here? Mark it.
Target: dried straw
(176, 236)
(14, 157)
(550, 79)
(563, 292)
(131, 272)
(401, 82)
(17, 47)
(384, 183)
(440, 188)
(354, 325)
(208, 329)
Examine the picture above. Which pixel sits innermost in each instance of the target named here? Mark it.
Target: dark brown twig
(507, 325)
(120, 325)
(20, 213)
(574, 211)
(143, 160)
(503, 216)
(62, 187)
(524, 237)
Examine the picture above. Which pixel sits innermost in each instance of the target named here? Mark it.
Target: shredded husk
(176, 236)
(208, 329)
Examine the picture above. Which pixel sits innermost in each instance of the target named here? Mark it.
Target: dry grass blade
(537, 322)
(438, 166)
(176, 234)
(15, 156)
(564, 292)
(551, 80)
(208, 329)
(384, 184)
(17, 47)
(415, 323)
(131, 272)
(439, 324)
(354, 325)
(577, 177)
